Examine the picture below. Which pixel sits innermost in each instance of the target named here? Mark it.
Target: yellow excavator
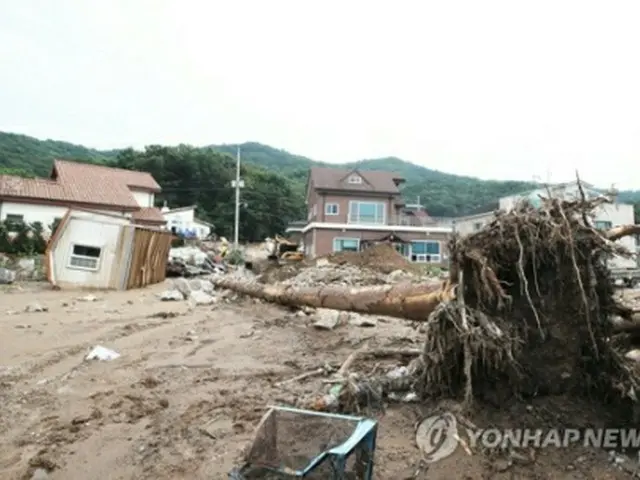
(282, 249)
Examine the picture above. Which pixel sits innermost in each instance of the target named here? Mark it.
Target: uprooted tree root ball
(533, 311)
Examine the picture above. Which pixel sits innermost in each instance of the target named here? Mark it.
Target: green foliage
(34, 157)
(22, 240)
(234, 257)
(54, 226)
(202, 177)
(275, 180)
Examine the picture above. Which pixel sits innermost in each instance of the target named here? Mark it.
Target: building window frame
(14, 219)
(85, 257)
(355, 179)
(379, 217)
(332, 209)
(603, 224)
(340, 240)
(426, 256)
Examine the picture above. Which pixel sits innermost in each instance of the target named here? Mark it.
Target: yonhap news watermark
(440, 435)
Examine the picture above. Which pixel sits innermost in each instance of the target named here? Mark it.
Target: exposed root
(534, 311)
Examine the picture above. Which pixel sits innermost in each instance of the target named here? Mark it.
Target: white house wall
(202, 229)
(144, 199)
(45, 214)
(179, 218)
(99, 231)
(615, 213)
(619, 214)
(185, 220)
(473, 223)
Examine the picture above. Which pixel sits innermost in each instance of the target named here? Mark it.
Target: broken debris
(102, 353)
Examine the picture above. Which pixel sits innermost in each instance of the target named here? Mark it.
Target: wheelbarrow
(291, 443)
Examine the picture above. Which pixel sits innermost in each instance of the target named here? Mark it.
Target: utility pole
(238, 184)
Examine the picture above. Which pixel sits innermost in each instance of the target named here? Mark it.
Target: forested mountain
(275, 180)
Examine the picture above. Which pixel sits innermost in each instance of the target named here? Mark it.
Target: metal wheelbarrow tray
(292, 443)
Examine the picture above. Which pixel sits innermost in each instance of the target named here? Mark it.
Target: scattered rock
(327, 319)
(202, 298)
(358, 320)
(171, 296)
(87, 298)
(182, 286)
(36, 307)
(7, 276)
(102, 353)
(40, 474)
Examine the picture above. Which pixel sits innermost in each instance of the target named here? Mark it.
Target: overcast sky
(494, 89)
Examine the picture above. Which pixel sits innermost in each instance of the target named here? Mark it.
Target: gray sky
(495, 89)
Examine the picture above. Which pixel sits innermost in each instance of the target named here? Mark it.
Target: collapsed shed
(99, 250)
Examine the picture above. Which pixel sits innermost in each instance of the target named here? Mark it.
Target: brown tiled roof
(81, 183)
(337, 179)
(148, 214)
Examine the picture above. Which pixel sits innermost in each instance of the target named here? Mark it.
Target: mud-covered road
(189, 388)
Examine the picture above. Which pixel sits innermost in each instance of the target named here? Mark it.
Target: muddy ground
(191, 385)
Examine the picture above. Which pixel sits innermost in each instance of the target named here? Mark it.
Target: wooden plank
(149, 258)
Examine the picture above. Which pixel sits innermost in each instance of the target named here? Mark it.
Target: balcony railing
(400, 220)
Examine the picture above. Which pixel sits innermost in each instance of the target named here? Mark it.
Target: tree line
(203, 177)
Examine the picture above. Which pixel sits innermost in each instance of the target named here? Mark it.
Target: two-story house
(348, 209)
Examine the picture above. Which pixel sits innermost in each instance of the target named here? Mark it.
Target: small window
(346, 244)
(355, 179)
(477, 226)
(331, 209)
(603, 225)
(85, 257)
(14, 219)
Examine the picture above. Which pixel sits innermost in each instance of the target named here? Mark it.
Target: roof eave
(355, 192)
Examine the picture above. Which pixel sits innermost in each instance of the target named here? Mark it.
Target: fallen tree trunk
(410, 301)
(616, 233)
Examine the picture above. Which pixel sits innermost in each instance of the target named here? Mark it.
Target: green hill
(32, 156)
(442, 193)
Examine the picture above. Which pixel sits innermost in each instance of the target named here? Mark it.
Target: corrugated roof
(337, 179)
(82, 183)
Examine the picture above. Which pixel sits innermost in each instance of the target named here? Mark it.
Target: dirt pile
(533, 313)
(382, 257)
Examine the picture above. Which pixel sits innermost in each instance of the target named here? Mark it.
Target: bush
(235, 257)
(22, 239)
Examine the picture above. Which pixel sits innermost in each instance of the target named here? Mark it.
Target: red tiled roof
(337, 179)
(74, 170)
(148, 214)
(81, 183)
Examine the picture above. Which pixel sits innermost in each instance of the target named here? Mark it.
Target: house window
(331, 209)
(477, 226)
(85, 257)
(602, 225)
(346, 244)
(14, 219)
(425, 251)
(355, 179)
(367, 213)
